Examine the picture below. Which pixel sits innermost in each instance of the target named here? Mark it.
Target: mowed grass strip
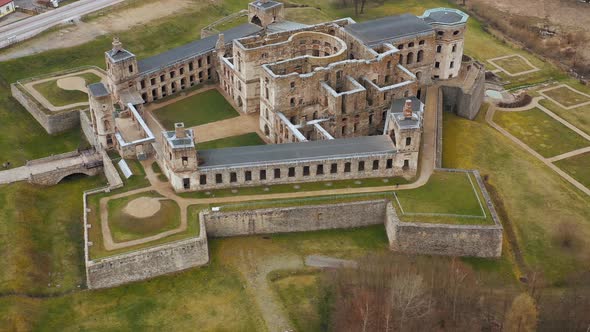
(233, 141)
(578, 167)
(566, 96)
(125, 227)
(579, 116)
(513, 65)
(60, 97)
(205, 107)
(540, 132)
(446, 193)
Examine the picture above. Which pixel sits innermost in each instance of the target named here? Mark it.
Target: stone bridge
(51, 170)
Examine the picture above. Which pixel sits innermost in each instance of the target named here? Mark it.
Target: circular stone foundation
(143, 207)
(72, 83)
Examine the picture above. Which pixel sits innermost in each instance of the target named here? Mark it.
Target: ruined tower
(121, 67)
(265, 12)
(102, 115)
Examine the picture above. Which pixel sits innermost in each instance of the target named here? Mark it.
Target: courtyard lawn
(446, 193)
(566, 96)
(60, 97)
(234, 141)
(578, 167)
(540, 132)
(205, 107)
(513, 65)
(125, 227)
(306, 15)
(528, 195)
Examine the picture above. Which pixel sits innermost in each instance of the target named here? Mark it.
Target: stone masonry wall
(52, 123)
(294, 219)
(148, 263)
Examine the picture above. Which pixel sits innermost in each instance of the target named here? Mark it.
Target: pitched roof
(388, 28)
(290, 152)
(5, 2)
(194, 48)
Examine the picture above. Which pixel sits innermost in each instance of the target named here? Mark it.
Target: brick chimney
(179, 130)
(117, 45)
(408, 109)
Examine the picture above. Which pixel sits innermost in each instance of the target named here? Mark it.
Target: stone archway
(256, 20)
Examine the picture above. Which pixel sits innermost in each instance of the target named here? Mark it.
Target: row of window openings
(451, 65)
(233, 176)
(439, 48)
(173, 86)
(411, 44)
(410, 58)
(173, 72)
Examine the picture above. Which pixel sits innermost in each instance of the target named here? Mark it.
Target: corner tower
(265, 12)
(121, 66)
(449, 26)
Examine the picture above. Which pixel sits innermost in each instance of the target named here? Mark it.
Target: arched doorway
(256, 20)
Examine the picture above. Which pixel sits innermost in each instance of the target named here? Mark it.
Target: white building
(6, 7)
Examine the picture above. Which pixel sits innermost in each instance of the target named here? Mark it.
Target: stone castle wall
(53, 123)
(442, 239)
(294, 219)
(148, 263)
(467, 99)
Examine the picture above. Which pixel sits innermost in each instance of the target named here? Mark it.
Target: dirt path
(490, 120)
(243, 124)
(30, 87)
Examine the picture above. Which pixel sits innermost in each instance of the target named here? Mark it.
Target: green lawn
(578, 167)
(445, 193)
(234, 141)
(125, 227)
(566, 97)
(202, 108)
(540, 132)
(60, 97)
(533, 197)
(513, 65)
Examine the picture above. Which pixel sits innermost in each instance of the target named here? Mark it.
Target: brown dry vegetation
(569, 46)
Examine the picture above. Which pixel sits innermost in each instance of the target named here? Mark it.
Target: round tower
(449, 26)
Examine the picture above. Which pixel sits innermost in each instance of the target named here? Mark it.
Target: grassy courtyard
(513, 65)
(566, 96)
(125, 226)
(205, 107)
(579, 116)
(578, 167)
(60, 97)
(540, 132)
(234, 141)
(447, 193)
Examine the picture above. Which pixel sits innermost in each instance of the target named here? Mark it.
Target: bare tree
(523, 314)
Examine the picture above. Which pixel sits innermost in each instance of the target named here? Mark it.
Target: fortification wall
(52, 123)
(113, 177)
(465, 101)
(148, 263)
(441, 239)
(86, 125)
(294, 219)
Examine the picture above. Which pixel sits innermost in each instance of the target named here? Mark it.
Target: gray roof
(388, 28)
(181, 142)
(445, 16)
(98, 90)
(120, 55)
(266, 5)
(285, 26)
(196, 47)
(290, 152)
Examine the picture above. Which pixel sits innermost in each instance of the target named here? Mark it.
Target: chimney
(408, 109)
(117, 45)
(220, 45)
(179, 130)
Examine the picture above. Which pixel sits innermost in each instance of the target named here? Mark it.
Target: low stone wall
(86, 125)
(55, 176)
(148, 263)
(113, 177)
(53, 158)
(53, 123)
(294, 219)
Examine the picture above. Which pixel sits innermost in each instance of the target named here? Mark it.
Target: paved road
(33, 25)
